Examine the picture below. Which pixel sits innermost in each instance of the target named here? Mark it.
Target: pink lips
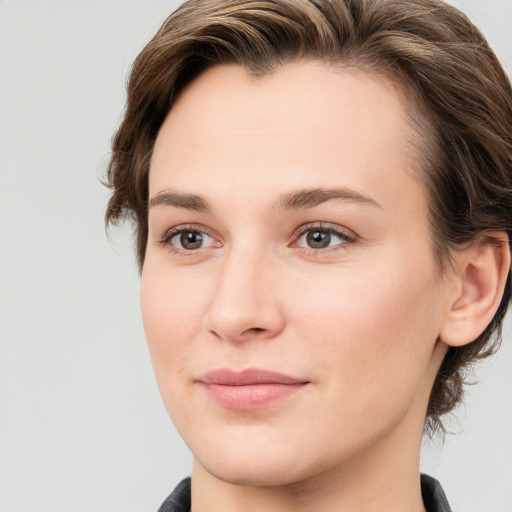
(249, 389)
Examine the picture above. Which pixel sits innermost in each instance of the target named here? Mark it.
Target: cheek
(172, 313)
(372, 334)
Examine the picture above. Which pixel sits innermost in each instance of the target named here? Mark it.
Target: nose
(246, 304)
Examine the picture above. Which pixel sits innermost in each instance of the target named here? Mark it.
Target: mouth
(249, 389)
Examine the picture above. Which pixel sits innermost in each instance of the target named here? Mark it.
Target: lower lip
(250, 396)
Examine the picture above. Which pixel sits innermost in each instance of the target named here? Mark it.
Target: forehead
(306, 124)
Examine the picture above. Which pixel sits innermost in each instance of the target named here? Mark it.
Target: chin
(257, 473)
(263, 458)
(250, 460)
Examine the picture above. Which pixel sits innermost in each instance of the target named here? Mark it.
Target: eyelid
(348, 236)
(345, 234)
(169, 234)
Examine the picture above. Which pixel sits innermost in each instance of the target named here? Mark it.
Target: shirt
(431, 492)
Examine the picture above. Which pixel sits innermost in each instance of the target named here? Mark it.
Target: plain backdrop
(82, 428)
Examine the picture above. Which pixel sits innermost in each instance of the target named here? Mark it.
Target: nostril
(255, 329)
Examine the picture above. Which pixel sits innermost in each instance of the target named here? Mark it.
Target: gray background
(81, 423)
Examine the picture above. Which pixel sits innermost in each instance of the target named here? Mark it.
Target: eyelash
(348, 237)
(167, 237)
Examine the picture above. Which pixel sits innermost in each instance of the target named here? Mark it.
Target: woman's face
(289, 293)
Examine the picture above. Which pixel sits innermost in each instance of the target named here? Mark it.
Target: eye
(190, 240)
(320, 237)
(187, 239)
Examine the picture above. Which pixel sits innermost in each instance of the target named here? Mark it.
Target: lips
(249, 389)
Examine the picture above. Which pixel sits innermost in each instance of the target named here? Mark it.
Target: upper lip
(228, 377)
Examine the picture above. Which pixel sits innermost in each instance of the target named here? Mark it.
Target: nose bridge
(245, 301)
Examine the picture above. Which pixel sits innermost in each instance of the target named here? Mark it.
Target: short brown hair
(461, 94)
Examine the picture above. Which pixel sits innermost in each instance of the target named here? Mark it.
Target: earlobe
(481, 276)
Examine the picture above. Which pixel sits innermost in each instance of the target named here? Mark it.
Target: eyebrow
(180, 200)
(302, 199)
(309, 198)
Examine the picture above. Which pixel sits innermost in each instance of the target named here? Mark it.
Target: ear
(480, 274)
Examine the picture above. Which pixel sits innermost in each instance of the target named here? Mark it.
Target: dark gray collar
(431, 491)
(179, 499)
(433, 495)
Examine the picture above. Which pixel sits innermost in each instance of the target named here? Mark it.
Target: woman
(321, 193)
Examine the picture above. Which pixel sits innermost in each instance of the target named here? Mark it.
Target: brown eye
(318, 239)
(191, 240)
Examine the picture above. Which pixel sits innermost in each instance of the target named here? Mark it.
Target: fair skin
(288, 233)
